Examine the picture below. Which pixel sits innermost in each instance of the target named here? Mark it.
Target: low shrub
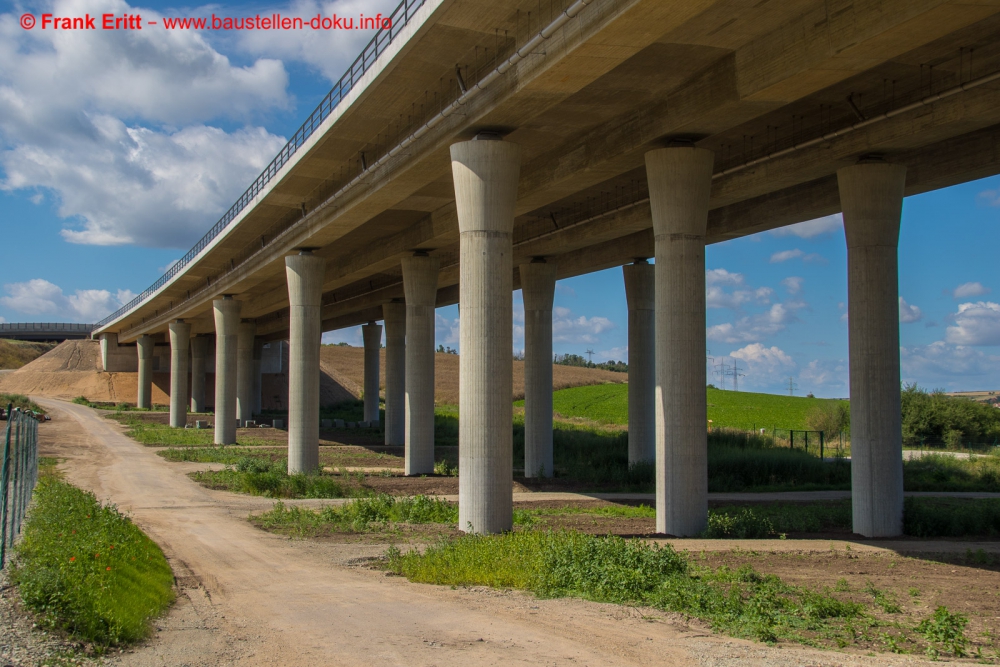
(260, 477)
(951, 517)
(20, 401)
(742, 525)
(741, 602)
(944, 630)
(87, 569)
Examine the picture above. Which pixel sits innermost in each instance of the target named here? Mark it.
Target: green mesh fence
(18, 474)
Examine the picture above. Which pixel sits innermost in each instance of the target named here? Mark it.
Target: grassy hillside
(16, 353)
(608, 404)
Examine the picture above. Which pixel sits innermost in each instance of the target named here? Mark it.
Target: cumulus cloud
(446, 330)
(990, 197)
(967, 290)
(717, 296)
(908, 313)
(764, 365)
(614, 354)
(975, 324)
(825, 373)
(811, 228)
(758, 326)
(566, 328)
(40, 297)
(722, 277)
(943, 361)
(115, 125)
(793, 284)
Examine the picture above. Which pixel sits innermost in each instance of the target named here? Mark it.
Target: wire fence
(18, 475)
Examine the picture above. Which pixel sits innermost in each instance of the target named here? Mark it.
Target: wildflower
(109, 569)
(97, 555)
(72, 558)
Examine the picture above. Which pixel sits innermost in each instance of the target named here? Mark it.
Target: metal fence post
(4, 479)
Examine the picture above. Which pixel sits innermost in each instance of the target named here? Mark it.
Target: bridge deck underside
(744, 80)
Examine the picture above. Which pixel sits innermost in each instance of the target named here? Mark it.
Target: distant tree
(934, 417)
(831, 417)
(577, 360)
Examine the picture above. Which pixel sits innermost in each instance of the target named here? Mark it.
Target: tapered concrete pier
(394, 316)
(199, 354)
(680, 183)
(871, 195)
(372, 335)
(304, 273)
(640, 293)
(144, 347)
(258, 359)
(420, 276)
(485, 175)
(180, 343)
(244, 372)
(227, 323)
(538, 286)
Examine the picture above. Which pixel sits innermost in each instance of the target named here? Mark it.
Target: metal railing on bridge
(18, 475)
(35, 329)
(399, 18)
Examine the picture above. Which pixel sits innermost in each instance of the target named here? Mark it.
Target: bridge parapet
(45, 331)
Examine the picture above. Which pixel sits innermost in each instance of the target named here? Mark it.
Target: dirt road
(247, 597)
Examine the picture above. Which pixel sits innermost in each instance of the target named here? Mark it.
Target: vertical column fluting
(680, 185)
(485, 175)
(394, 316)
(871, 196)
(180, 343)
(372, 335)
(144, 347)
(420, 276)
(305, 273)
(538, 286)
(640, 293)
(199, 352)
(244, 371)
(258, 354)
(227, 323)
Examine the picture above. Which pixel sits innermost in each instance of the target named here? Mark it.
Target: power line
(792, 386)
(590, 356)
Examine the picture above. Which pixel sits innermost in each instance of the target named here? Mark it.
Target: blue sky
(118, 150)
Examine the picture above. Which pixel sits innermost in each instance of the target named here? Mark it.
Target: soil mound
(17, 353)
(73, 368)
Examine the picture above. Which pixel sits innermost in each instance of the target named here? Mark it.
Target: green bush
(20, 401)
(945, 630)
(941, 472)
(742, 525)
(264, 478)
(932, 418)
(741, 602)
(951, 517)
(87, 569)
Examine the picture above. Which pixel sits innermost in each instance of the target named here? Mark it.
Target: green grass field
(608, 404)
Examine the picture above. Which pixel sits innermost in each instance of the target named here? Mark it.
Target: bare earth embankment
(73, 368)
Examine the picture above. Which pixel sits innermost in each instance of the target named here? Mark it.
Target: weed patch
(262, 477)
(162, 435)
(20, 401)
(87, 569)
(944, 631)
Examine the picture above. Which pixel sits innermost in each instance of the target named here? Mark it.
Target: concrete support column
(420, 276)
(244, 371)
(485, 175)
(640, 294)
(144, 399)
(180, 341)
(304, 273)
(258, 354)
(372, 335)
(199, 351)
(538, 286)
(394, 316)
(227, 323)
(871, 196)
(680, 184)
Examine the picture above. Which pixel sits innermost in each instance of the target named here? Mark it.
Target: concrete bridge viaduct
(476, 148)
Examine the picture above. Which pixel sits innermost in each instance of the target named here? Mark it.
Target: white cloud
(569, 329)
(446, 330)
(908, 313)
(975, 324)
(785, 255)
(824, 373)
(722, 277)
(40, 297)
(763, 365)
(942, 361)
(114, 125)
(614, 354)
(755, 327)
(990, 197)
(967, 290)
(810, 228)
(793, 284)
(328, 53)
